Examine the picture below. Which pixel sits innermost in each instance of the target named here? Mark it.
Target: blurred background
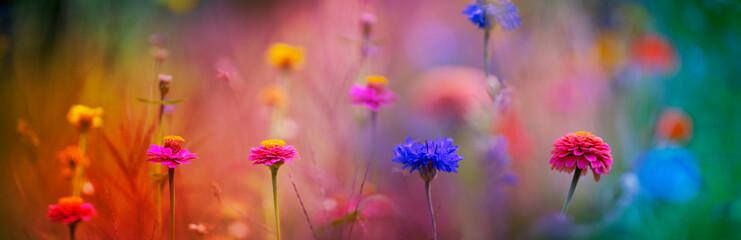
(657, 80)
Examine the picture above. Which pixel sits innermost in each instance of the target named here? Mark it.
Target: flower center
(583, 133)
(173, 142)
(271, 143)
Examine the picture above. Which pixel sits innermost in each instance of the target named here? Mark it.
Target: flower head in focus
(70, 210)
(485, 13)
(373, 95)
(171, 153)
(285, 57)
(272, 153)
(674, 125)
(581, 150)
(84, 117)
(428, 157)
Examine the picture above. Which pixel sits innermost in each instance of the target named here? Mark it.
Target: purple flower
(416, 155)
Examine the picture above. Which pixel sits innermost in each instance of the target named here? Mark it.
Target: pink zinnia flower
(374, 94)
(70, 210)
(271, 152)
(581, 150)
(171, 154)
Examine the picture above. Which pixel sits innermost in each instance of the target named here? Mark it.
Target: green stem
(77, 179)
(486, 54)
(171, 174)
(159, 184)
(274, 173)
(72, 228)
(577, 174)
(432, 213)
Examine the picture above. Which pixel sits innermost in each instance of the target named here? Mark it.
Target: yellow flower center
(173, 142)
(271, 143)
(376, 80)
(70, 200)
(583, 133)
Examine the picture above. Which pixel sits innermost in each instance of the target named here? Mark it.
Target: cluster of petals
(271, 152)
(70, 210)
(171, 154)
(440, 152)
(581, 150)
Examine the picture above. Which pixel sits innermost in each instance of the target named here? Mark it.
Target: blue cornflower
(484, 12)
(416, 155)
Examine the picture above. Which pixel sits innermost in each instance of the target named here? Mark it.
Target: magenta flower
(70, 210)
(271, 152)
(373, 95)
(581, 150)
(171, 154)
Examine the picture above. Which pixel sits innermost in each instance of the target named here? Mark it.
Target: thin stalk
(432, 213)
(274, 173)
(487, 32)
(577, 174)
(159, 185)
(72, 228)
(373, 117)
(301, 201)
(80, 167)
(171, 175)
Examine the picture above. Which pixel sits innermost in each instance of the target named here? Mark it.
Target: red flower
(70, 210)
(581, 150)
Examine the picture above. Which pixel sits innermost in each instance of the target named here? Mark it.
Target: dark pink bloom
(371, 96)
(171, 154)
(70, 210)
(271, 152)
(581, 150)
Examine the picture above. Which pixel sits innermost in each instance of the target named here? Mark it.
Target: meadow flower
(171, 153)
(70, 210)
(428, 157)
(431, 155)
(273, 96)
(674, 125)
(71, 156)
(576, 152)
(653, 53)
(84, 117)
(669, 174)
(450, 94)
(485, 13)
(285, 57)
(373, 95)
(272, 152)
(581, 150)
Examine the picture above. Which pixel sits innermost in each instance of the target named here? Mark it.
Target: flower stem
(77, 179)
(274, 173)
(373, 120)
(486, 54)
(577, 174)
(171, 174)
(432, 213)
(72, 228)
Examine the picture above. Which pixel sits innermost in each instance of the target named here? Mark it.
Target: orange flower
(84, 117)
(674, 125)
(285, 57)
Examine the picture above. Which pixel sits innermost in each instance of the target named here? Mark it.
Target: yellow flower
(285, 57)
(85, 117)
(273, 96)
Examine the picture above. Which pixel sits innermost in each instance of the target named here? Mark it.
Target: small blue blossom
(670, 174)
(484, 13)
(415, 154)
